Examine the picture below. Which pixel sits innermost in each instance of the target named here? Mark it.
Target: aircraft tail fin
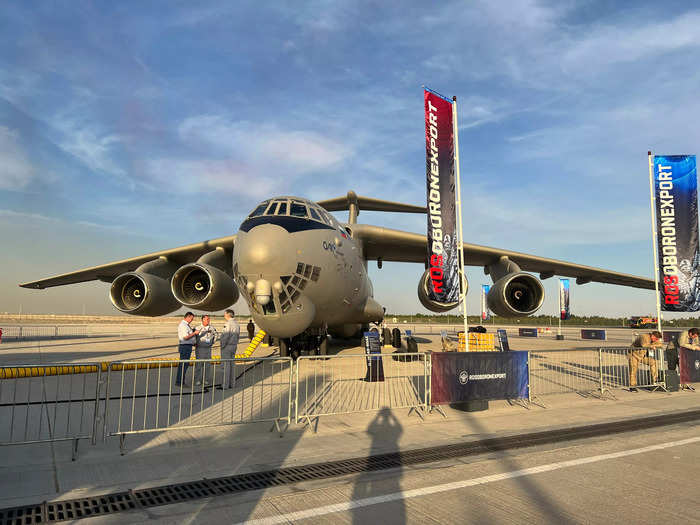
(353, 203)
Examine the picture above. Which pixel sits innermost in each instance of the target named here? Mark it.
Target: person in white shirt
(186, 339)
(229, 344)
(205, 340)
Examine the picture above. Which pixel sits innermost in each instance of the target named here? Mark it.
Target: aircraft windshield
(260, 209)
(298, 210)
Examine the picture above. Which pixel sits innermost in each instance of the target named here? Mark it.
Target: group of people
(201, 339)
(638, 353)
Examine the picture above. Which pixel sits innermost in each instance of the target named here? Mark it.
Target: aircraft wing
(395, 245)
(108, 272)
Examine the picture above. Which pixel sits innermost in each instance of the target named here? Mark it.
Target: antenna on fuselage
(352, 202)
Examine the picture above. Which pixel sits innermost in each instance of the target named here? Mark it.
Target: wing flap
(108, 272)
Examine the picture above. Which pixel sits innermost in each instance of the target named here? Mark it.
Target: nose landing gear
(311, 342)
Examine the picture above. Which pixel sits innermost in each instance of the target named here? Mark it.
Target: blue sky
(127, 127)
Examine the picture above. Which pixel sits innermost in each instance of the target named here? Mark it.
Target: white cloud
(16, 171)
(295, 150)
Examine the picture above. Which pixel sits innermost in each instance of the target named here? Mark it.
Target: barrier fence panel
(55, 402)
(142, 396)
(338, 384)
(623, 367)
(564, 371)
(40, 332)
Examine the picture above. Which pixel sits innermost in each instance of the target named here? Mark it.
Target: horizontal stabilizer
(352, 201)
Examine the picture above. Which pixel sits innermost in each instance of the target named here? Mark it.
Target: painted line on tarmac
(366, 502)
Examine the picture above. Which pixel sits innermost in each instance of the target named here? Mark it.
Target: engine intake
(140, 293)
(516, 295)
(425, 300)
(204, 287)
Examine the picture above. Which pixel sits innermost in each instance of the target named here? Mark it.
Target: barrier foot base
(524, 403)
(535, 400)
(277, 425)
(437, 408)
(685, 386)
(418, 412)
(307, 421)
(606, 393)
(75, 450)
(657, 386)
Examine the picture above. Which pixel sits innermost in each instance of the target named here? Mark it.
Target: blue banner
(464, 376)
(676, 183)
(564, 311)
(485, 312)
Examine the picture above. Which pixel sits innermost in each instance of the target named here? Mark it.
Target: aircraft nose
(263, 249)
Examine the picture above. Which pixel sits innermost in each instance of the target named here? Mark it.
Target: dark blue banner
(465, 376)
(676, 181)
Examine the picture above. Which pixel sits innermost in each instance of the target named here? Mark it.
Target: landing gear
(284, 347)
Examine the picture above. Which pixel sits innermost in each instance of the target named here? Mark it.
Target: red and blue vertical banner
(443, 257)
(485, 312)
(676, 186)
(564, 293)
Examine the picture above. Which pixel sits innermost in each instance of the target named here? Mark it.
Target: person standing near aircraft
(638, 354)
(205, 340)
(251, 329)
(689, 339)
(229, 344)
(186, 339)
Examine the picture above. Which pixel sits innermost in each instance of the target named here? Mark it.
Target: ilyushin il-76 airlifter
(304, 275)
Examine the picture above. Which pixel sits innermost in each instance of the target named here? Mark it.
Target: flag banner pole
(674, 183)
(458, 204)
(442, 278)
(652, 204)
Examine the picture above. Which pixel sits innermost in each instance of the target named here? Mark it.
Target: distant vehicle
(642, 322)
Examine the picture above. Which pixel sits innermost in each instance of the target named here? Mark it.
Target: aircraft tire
(386, 336)
(323, 347)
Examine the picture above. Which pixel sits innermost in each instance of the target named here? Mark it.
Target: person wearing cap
(187, 337)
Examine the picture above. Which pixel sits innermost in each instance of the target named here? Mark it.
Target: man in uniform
(186, 337)
(638, 354)
(229, 344)
(205, 340)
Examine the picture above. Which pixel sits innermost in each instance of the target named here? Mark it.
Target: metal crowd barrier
(336, 384)
(142, 396)
(563, 371)
(38, 332)
(618, 364)
(38, 409)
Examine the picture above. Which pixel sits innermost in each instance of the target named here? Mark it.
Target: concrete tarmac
(631, 487)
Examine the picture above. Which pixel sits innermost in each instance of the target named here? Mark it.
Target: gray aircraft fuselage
(298, 272)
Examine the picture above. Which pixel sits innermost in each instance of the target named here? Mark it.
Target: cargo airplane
(304, 275)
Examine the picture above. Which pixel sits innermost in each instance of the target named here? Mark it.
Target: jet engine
(425, 300)
(204, 287)
(145, 291)
(516, 295)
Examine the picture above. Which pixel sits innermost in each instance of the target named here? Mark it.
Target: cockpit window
(314, 214)
(282, 209)
(260, 209)
(298, 210)
(271, 209)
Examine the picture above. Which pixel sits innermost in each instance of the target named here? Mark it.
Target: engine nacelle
(140, 293)
(425, 300)
(204, 287)
(516, 295)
